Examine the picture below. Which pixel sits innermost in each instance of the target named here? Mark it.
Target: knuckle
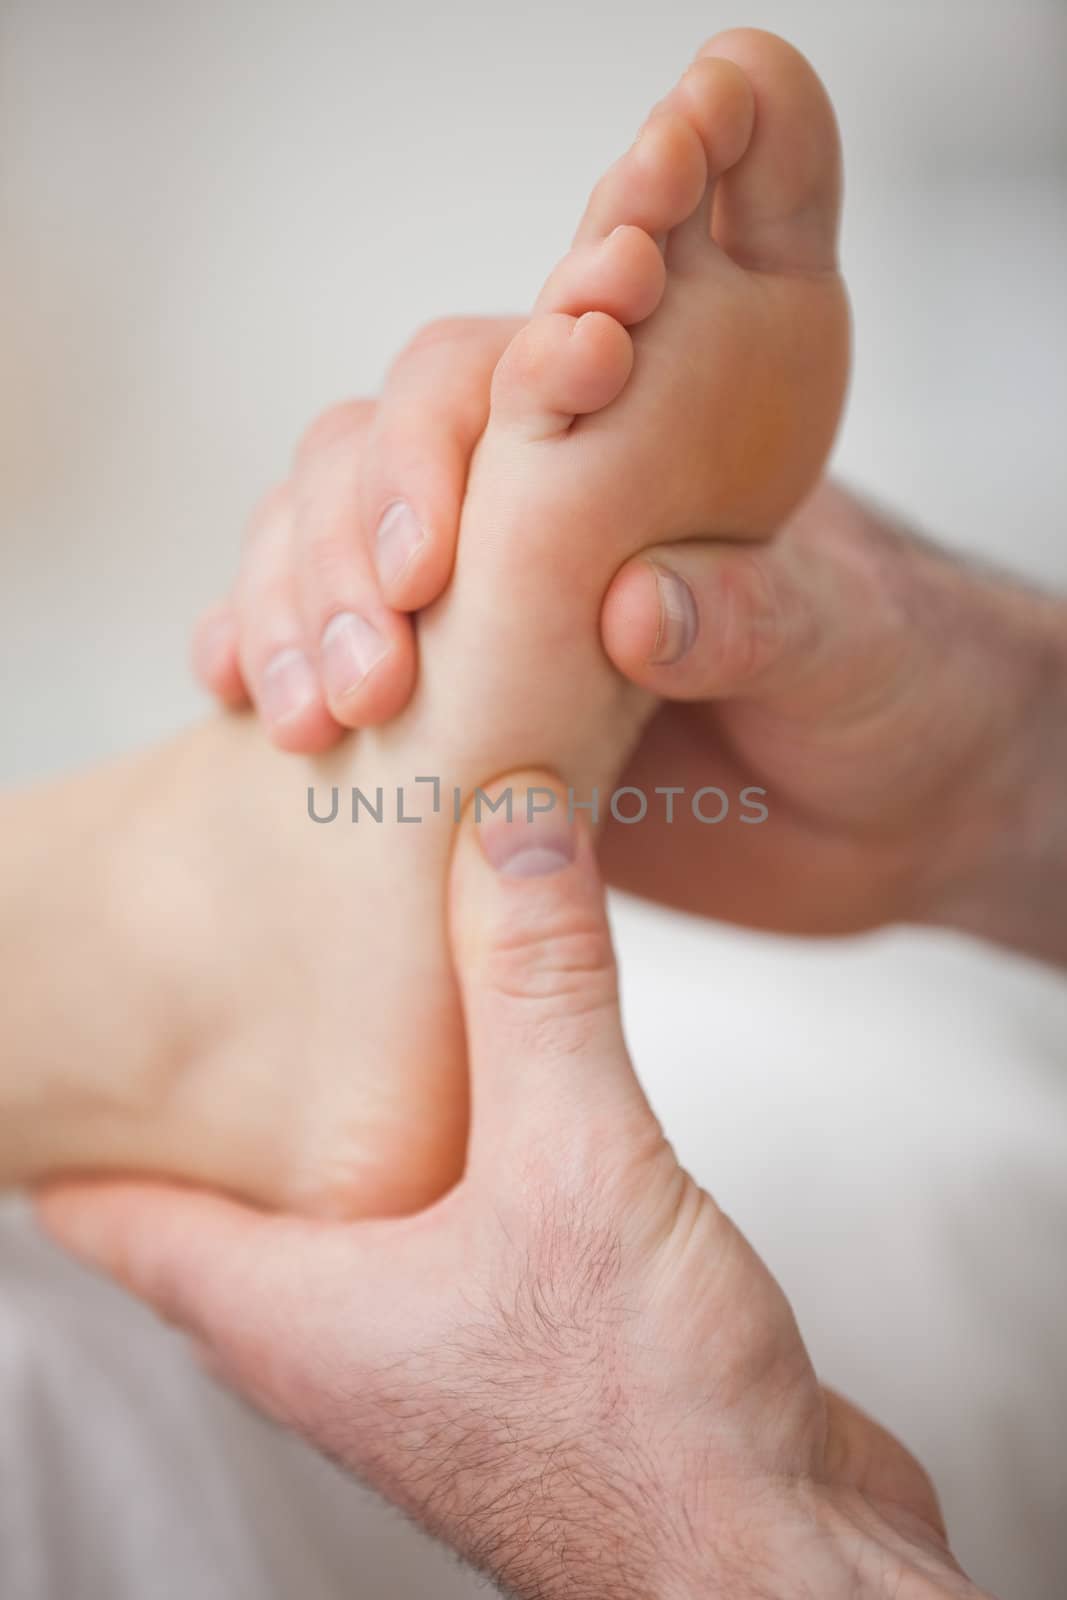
(442, 330)
(326, 563)
(753, 617)
(267, 624)
(341, 424)
(272, 513)
(555, 974)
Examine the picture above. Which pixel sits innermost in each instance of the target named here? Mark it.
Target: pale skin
(190, 880)
(763, 325)
(221, 1039)
(904, 707)
(676, 1368)
(573, 1369)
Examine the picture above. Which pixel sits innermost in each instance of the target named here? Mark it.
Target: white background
(217, 218)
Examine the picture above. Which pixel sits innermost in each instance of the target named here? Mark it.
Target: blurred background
(216, 218)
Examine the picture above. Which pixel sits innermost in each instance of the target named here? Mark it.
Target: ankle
(85, 1039)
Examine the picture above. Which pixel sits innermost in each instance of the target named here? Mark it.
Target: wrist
(779, 1545)
(876, 1551)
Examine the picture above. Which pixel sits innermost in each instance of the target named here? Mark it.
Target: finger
(274, 662)
(214, 656)
(708, 620)
(269, 1296)
(362, 649)
(430, 417)
(549, 1066)
(344, 425)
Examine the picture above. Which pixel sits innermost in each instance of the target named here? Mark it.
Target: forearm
(865, 1574)
(1002, 872)
(969, 746)
(763, 1551)
(560, 1528)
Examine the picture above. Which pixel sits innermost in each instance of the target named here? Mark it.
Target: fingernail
(350, 648)
(532, 843)
(678, 618)
(398, 537)
(287, 686)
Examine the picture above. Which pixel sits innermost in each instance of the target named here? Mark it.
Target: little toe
(559, 367)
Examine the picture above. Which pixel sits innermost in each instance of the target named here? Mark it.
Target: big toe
(779, 207)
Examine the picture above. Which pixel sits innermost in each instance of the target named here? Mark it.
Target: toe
(716, 97)
(559, 367)
(778, 207)
(623, 275)
(656, 184)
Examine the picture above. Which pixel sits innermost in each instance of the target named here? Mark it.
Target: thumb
(537, 976)
(713, 619)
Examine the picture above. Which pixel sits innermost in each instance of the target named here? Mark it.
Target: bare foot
(331, 1073)
(714, 239)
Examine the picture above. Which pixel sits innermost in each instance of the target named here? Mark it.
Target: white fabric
(219, 218)
(125, 1474)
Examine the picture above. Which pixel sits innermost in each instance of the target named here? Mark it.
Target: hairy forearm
(749, 1562)
(1002, 875)
(561, 1529)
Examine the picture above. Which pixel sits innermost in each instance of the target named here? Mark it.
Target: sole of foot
(682, 376)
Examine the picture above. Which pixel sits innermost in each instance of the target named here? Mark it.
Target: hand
(573, 1369)
(327, 543)
(905, 713)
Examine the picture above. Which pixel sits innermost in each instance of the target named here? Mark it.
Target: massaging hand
(898, 707)
(573, 1369)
